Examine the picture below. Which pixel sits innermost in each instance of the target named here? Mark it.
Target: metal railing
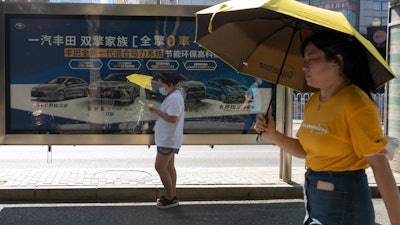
(300, 99)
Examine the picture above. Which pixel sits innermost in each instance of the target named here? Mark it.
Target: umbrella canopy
(141, 80)
(263, 38)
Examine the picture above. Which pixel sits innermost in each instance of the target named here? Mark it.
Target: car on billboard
(60, 89)
(115, 88)
(192, 90)
(226, 90)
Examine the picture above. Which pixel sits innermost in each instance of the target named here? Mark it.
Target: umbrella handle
(224, 7)
(271, 105)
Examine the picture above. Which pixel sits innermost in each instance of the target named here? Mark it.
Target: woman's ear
(339, 59)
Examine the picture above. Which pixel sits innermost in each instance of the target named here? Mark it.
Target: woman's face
(163, 85)
(318, 72)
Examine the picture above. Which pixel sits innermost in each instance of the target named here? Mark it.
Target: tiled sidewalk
(147, 177)
(143, 177)
(143, 183)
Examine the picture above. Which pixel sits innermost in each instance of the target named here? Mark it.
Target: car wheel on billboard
(60, 96)
(222, 97)
(192, 105)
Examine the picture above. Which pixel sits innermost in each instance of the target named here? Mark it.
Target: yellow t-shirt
(336, 134)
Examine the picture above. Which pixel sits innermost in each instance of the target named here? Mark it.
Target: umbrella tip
(222, 6)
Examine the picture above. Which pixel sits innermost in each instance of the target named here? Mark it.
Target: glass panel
(377, 6)
(384, 21)
(385, 6)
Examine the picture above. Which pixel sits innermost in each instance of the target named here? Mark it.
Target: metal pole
(285, 166)
(393, 54)
(49, 154)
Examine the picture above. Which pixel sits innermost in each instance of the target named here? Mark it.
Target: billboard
(66, 74)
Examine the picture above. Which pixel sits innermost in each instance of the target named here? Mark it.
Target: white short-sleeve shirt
(170, 135)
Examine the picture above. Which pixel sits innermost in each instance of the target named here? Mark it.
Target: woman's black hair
(168, 78)
(355, 61)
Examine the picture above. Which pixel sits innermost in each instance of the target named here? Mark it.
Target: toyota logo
(19, 26)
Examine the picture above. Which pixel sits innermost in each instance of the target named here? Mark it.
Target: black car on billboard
(192, 90)
(226, 90)
(114, 88)
(60, 88)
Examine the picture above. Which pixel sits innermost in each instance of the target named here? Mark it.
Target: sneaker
(164, 203)
(163, 197)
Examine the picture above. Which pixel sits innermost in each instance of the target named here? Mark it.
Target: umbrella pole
(273, 96)
(272, 102)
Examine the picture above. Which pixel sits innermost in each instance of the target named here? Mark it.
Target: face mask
(162, 91)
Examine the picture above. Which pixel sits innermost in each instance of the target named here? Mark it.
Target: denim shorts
(173, 150)
(350, 201)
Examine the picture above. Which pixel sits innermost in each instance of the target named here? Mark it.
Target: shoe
(163, 197)
(164, 203)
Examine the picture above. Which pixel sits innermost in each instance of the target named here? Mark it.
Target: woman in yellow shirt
(340, 136)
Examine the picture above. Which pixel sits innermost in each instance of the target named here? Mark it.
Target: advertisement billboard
(66, 74)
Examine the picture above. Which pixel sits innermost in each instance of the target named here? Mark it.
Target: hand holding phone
(151, 108)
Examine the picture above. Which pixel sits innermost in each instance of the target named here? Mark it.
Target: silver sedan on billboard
(114, 88)
(60, 89)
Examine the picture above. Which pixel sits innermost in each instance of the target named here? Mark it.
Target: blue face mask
(162, 91)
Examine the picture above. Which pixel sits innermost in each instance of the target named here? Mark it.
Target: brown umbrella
(262, 38)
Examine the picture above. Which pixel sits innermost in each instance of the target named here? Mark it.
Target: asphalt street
(265, 212)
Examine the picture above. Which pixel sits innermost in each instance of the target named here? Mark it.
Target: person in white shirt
(168, 136)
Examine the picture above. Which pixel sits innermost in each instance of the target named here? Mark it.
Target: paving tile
(147, 176)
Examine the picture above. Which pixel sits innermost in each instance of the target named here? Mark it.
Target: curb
(214, 192)
(207, 192)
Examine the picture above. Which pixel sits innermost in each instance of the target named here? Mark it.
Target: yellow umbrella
(262, 38)
(141, 80)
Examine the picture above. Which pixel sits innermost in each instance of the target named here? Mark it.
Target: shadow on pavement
(193, 213)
